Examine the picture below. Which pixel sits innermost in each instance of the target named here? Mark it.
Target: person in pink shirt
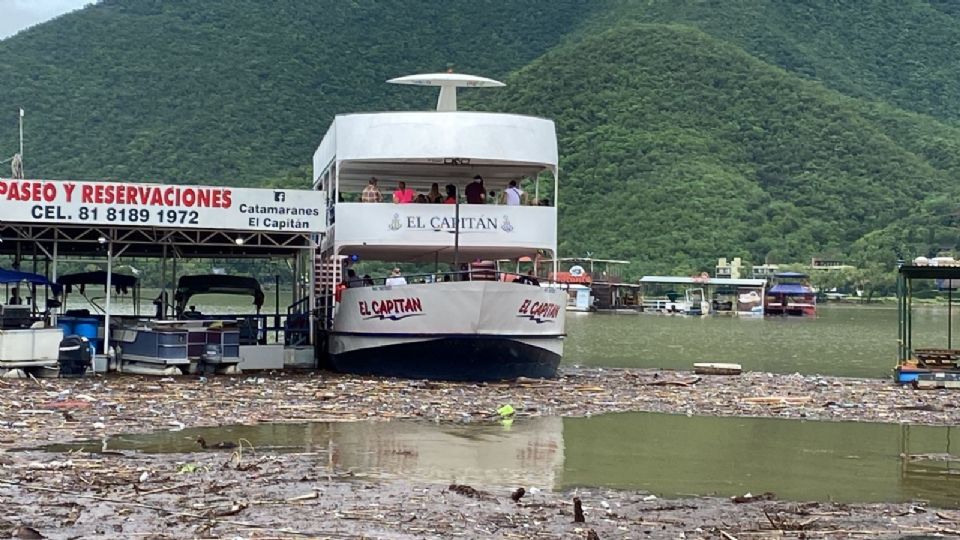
(403, 195)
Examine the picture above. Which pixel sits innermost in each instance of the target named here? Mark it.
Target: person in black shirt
(476, 193)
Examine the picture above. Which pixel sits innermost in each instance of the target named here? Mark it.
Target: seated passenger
(451, 194)
(434, 197)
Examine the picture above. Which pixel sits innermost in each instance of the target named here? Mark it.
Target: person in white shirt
(513, 196)
(396, 278)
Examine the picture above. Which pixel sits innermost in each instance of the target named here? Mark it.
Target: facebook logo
(279, 196)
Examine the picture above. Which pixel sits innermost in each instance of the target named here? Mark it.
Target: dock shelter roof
(679, 280)
(930, 272)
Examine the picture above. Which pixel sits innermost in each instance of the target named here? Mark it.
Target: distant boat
(702, 295)
(790, 296)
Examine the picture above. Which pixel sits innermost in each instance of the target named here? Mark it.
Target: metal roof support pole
(106, 317)
(51, 257)
(901, 319)
(556, 205)
(173, 281)
(276, 308)
(456, 234)
(312, 291)
(163, 283)
(53, 278)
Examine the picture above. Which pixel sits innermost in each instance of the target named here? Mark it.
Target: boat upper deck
(425, 147)
(439, 149)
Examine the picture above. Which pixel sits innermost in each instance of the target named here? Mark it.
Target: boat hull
(466, 331)
(453, 358)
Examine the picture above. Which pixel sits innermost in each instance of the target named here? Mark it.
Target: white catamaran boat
(463, 320)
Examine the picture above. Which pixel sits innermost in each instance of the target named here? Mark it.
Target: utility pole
(21, 137)
(16, 162)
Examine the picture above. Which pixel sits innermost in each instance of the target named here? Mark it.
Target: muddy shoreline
(221, 495)
(225, 495)
(40, 411)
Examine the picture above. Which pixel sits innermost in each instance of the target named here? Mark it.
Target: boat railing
(443, 277)
(436, 226)
(296, 328)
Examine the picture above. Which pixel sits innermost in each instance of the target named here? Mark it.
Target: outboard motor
(74, 356)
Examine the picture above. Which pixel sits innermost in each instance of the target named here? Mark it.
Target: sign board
(434, 225)
(161, 205)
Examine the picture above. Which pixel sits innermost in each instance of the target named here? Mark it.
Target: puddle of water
(842, 461)
(528, 452)
(665, 454)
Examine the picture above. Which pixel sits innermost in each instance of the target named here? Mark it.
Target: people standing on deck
(451, 194)
(371, 193)
(528, 279)
(403, 194)
(513, 196)
(353, 281)
(396, 278)
(434, 197)
(476, 193)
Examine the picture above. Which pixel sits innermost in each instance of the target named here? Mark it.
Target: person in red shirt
(403, 195)
(451, 194)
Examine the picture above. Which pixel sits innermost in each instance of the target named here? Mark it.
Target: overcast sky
(15, 15)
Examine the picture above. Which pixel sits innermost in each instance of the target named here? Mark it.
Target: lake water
(667, 455)
(857, 341)
(852, 340)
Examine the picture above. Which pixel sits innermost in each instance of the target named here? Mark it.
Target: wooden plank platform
(937, 357)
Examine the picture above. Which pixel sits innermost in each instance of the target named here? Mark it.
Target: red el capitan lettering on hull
(393, 309)
(539, 312)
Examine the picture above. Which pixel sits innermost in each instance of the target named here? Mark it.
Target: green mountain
(235, 91)
(897, 51)
(689, 129)
(678, 146)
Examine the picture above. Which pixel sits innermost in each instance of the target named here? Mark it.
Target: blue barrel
(87, 327)
(67, 324)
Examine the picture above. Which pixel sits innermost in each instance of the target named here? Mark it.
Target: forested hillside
(233, 91)
(899, 51)
(772, 130)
